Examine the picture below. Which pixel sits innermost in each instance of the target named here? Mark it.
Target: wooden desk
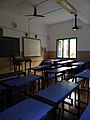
(85, 74)
(52, 61)
(28, 109)
(19, 60)
(17, 84)
(41, 68)
(81, 65)
(59, 70)
(65, 62)
(57, 93)
(86, 114)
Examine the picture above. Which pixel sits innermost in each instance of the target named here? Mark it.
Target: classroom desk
(39, 68)
(56, 93)
(22, 59)
(85, 74)
(80, 64)
(52, 61)
(59, 70)
(86, 114)
(29, 109)
(65, 62)
(19, 83)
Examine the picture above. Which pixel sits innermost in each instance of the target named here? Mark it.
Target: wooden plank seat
(11, 75)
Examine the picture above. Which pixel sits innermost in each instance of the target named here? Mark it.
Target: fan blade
(28, 15)
(35, 15)
(39, 16)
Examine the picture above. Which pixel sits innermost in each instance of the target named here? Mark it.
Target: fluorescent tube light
(67, 6)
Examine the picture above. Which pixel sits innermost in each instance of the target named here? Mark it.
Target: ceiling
(53, 12)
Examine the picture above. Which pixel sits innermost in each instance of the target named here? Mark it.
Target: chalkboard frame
(9, 46)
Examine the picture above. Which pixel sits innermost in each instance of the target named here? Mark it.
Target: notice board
(31, 47)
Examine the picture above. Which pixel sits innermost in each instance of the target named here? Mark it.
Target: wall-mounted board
(9, 46)
(31, 47)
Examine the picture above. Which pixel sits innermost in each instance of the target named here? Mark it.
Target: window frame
(63, 47)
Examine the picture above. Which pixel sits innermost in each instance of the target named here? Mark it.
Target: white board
(31, 47)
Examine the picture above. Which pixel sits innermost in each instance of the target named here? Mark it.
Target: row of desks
(29, 109)
(47, 66)
(8, 87)
(33, 109)
(19, 60)
(51, 96)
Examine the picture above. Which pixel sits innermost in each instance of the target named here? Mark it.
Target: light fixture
(67, 6)
(75, 27)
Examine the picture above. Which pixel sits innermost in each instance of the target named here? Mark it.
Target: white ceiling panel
(52, 11)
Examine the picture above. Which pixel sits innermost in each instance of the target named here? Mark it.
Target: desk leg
(87, 90)
(25, 65)
(55, 78)
(62, 109)
(38, 84)
(78, 102)
(9, 97)
(19, 65)
(63, 75)
(14, 68)
(54, 114)
(34, 72)
(30, 65)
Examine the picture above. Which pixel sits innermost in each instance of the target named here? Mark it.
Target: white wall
(35, 27)
(62, 30)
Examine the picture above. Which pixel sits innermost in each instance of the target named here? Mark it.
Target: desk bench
(86, 75)
(86, 114)
(11, 75)
(28, 109)
(17, 84)
(57, 93)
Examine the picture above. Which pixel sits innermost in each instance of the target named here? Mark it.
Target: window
(66, 48)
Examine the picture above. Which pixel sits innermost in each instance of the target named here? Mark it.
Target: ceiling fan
(35, 13)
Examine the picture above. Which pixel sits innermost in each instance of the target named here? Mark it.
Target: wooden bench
(11, 75)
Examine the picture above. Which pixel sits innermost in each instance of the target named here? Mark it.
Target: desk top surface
(52, 60)
(28, 109)
(65, 61)
(85, 74)
(86, 113)
(41, 67)
(23, 58)
(22, 81)
(58, 92)
(61, 69)
(79, 63)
